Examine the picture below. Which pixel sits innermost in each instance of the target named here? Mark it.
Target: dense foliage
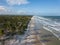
(10, 25)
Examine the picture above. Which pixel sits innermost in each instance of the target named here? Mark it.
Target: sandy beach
(35, 35)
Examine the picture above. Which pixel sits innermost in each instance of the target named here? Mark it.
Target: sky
(30, 7)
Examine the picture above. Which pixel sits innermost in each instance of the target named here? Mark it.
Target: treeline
(10, 25)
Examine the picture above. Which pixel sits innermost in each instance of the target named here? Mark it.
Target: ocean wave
(48, 22)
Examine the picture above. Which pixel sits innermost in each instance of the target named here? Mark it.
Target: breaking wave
(50, 25)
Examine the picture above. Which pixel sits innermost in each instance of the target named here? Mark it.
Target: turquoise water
(54, 18)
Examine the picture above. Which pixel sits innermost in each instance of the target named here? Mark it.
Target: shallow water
(35, 34)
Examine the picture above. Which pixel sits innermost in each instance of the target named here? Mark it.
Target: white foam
(53, 24)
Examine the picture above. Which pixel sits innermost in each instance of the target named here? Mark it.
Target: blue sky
(34, 7)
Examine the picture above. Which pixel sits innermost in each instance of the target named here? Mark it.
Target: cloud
(2, 8)
(24, 12)
(21, 11)
(17, 2)
(6, 10)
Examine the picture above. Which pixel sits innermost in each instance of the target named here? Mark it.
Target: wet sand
(48, 38)
(39, 36)
(36, 35)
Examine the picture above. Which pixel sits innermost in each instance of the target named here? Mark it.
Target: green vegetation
(10, 25)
